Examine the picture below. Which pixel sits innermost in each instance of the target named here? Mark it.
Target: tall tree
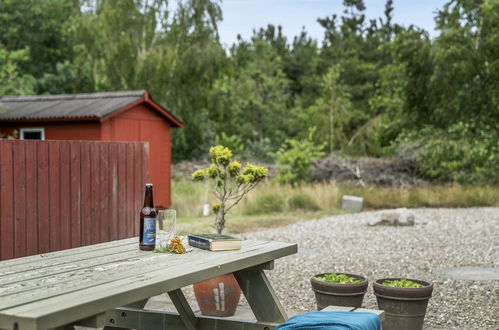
(43, 28)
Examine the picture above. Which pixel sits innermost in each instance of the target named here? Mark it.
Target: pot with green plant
(404, 302)
(339, 289)
(231, 182)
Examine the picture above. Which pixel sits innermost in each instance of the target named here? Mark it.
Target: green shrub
(232, 142)
(265, 203)
(402, 283)
(302, 201)
(338, 278)
(295, 158)
(260, 150)
(462, 153)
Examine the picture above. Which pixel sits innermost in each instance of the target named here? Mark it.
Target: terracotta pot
(405, 308)
(218, 296)
(338, 294)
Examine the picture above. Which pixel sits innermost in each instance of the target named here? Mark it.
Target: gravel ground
(440, 238)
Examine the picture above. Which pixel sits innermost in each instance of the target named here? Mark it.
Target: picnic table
(108, 284)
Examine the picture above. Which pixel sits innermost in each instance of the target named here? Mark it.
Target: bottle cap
(148, 185)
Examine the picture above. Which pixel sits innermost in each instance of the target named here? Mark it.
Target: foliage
(259, 150)
(12, 81)
(402, 283)
(338, 278)
(265, 203)
(368, 86)
(463, 153)
(295, 158)
(233, 142)
(268, 197)
(176, 246)
(231, 181)
(302, 201)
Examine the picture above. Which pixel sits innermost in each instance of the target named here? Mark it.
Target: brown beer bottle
(147, 239)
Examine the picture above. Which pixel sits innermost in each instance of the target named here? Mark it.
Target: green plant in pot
(339, 289)
(404, 302)
(231, 182)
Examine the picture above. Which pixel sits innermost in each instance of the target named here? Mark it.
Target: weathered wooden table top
(53, 289)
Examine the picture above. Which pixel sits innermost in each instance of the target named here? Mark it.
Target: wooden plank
(30, 274)
(55, 257)
(31, 198)
(19, 157)
(31, 290)
(43, 197)
(75, 194)
(7, 199)
(260, 295)
(380, 313)
(104, 192)
(132, 318)
(186, 314)
(113, 192)
(130, 192)
(55, 196)
(146, 283)
(86, 195)
(95, 193)
(139, 189)
(65, 203)
(338, 309)
(122, 210)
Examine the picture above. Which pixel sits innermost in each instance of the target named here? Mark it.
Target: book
(215, 242)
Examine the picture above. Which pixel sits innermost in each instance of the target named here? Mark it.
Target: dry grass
(271, 205)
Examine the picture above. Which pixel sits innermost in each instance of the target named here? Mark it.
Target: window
(32, 134)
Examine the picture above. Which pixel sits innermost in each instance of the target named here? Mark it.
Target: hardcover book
(215, 242)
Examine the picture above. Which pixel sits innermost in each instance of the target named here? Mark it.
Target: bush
(260, 150)
(295, 158)
(463, 153)
(302, 201)
(265, 203)
(232, 142)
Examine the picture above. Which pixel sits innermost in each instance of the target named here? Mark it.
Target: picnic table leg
(260, 295)
(184, 309)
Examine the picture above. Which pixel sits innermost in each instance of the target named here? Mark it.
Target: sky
(242, 16)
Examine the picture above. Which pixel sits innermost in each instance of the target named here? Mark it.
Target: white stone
(206, 210)
(352, 203)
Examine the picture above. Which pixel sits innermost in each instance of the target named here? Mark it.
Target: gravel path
(440, 238)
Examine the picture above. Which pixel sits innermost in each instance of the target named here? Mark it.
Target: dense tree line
(369, 87)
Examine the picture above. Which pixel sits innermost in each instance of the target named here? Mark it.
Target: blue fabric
(332, 321)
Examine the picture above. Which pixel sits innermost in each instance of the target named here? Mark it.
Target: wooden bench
(380, 313)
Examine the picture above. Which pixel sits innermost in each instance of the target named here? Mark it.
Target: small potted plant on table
(231, 182)
(404, 302)
(339, 289)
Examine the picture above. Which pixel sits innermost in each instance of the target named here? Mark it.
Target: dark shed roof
(74, 106)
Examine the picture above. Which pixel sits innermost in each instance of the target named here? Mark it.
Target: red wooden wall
(57, 195)
(143, 124)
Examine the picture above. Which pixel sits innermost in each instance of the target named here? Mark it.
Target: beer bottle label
(149, 236)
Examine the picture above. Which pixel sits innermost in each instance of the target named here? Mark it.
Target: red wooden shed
(116, 116)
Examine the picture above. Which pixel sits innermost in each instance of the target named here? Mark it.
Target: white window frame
(31, 130)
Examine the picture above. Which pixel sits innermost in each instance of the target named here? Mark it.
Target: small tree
(231, 181)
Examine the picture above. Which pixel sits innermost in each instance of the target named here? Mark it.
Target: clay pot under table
(218, 296)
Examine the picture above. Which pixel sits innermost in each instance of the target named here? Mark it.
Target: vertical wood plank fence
(56, 195)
